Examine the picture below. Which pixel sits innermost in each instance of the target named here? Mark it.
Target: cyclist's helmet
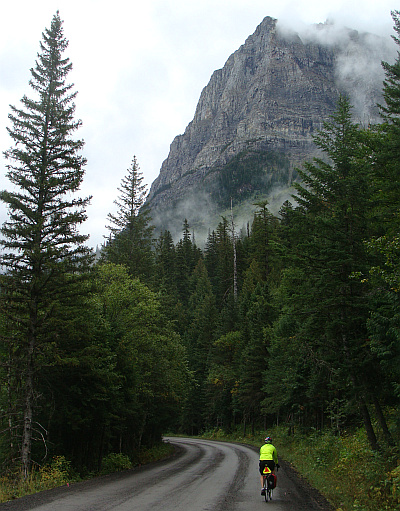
(268, 440)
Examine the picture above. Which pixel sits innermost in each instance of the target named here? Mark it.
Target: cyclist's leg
(264, 485)
(261, 468)
(262, 477)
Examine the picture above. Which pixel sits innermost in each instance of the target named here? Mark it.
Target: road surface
(203, 475)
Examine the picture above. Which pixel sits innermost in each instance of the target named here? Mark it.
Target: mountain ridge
(266, 103)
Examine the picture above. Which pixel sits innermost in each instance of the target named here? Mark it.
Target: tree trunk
(382, 421)
(10, 411)
(368, 426)
(141, 431)
(27, 426)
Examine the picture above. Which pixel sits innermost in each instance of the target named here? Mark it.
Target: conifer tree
(385, 246)
(331, 306)
(258, 316)
(387, 171)
(165, 263)
(199, 335)
(211, 259)
(387, 164)
(187, 256)
(261, 238)
(131, 240)
(44, 254)
(219, 261)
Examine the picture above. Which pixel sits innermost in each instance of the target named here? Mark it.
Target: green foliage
(130, 241)
(219, 262)
(45, 260)
(57, 473)
(150, 358)
(115, 462)
(392, 484)
(344, 468)
(251, 172)
(330, 307)
(158, 451)
(222, 377)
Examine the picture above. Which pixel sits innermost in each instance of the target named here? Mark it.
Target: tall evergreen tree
(387, 166)
(384, 324)
(166, 280)
(386, 173)
(256, 315)
(261, 235)
(187, 256)
(332, 307)
(199, 336)
(219, 260)
(166, 263)
(131, 240)
(44, 254)
(211, 259)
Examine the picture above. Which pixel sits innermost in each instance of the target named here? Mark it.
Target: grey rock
(272, 95)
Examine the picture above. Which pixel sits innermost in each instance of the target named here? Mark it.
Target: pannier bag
(272, 481)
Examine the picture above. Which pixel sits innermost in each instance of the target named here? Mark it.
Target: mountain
(255, 120)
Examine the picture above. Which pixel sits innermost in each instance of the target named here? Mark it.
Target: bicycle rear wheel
(265, 489)
(268, 490)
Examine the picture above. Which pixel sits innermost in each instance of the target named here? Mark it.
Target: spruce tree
(44, 254)
(199, 336)
(131, 240)
(187, 256)
(386, 173)
(385, 246)
(387, 164)
(333, 222)
(165, 263)
(261, 239)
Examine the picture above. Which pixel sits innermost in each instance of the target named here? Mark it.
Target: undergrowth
(59, 472)
(343, 468)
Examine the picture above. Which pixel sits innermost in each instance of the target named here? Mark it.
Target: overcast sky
(139, 67)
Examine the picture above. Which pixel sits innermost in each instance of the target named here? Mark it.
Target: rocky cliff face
(255, 119)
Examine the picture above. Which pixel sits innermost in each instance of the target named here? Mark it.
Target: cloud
(358, 67)
(139, 68)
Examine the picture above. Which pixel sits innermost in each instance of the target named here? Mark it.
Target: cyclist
(268, 458)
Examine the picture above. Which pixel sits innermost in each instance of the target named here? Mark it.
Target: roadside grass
(59, 472)
(343, 468)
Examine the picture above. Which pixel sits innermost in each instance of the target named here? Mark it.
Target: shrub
(393, 485)
(56, 473)
(115, 463)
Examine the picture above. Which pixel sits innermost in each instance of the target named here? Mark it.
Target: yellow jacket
(268, 452)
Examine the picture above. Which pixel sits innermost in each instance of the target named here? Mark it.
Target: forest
(293, 320)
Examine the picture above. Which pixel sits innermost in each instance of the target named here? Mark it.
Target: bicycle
(268, 482)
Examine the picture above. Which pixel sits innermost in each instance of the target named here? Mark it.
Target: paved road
(202, 476)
